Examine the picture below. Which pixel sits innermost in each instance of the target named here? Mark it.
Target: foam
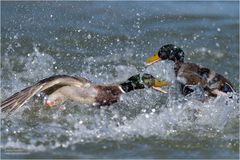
(142, 113)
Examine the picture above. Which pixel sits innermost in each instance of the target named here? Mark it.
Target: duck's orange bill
(159, 89)
(153, 59)
(159, 83)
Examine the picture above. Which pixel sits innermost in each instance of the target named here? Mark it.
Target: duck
(191, 76)
(60, 88)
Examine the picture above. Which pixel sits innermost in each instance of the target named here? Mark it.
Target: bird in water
(192, 76)
(61, 88)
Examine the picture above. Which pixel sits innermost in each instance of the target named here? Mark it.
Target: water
(107, 42)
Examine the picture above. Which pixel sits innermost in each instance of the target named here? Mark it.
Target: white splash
(142, 113)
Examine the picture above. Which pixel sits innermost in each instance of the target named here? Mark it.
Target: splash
(144, 113)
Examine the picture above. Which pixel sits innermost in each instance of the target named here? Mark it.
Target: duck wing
(47, 85)
(189, 74)
(216, 82)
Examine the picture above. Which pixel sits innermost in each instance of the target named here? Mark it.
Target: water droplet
(146, 115)
(89, 36)
(219, 29)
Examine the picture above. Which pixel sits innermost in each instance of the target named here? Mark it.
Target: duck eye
(163, 55)
(147, 82)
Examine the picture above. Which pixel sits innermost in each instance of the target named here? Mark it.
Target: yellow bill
(153, 59)
(158, 83)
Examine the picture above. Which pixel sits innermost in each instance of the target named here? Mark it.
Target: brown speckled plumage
(207, 78)
(107, 94)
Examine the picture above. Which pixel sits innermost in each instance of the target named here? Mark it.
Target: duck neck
(178, 61)
(130, 86)
(177, 66)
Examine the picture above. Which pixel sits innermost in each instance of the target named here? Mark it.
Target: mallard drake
(62, 87)
(190, 75)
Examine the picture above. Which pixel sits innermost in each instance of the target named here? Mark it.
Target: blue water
(107, 42)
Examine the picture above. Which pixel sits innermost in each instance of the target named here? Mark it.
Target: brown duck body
(189, 74)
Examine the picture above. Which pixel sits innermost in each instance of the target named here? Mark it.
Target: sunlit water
(108, 42)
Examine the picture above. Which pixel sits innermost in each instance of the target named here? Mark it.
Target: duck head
(143, 81)
(167, 52)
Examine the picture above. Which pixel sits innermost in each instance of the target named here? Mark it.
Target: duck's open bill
(158, 83)
(159, 89)
(152, 59)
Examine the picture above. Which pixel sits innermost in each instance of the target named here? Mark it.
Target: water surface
(107, 42)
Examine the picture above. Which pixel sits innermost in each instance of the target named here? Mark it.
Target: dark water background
(107, 42)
